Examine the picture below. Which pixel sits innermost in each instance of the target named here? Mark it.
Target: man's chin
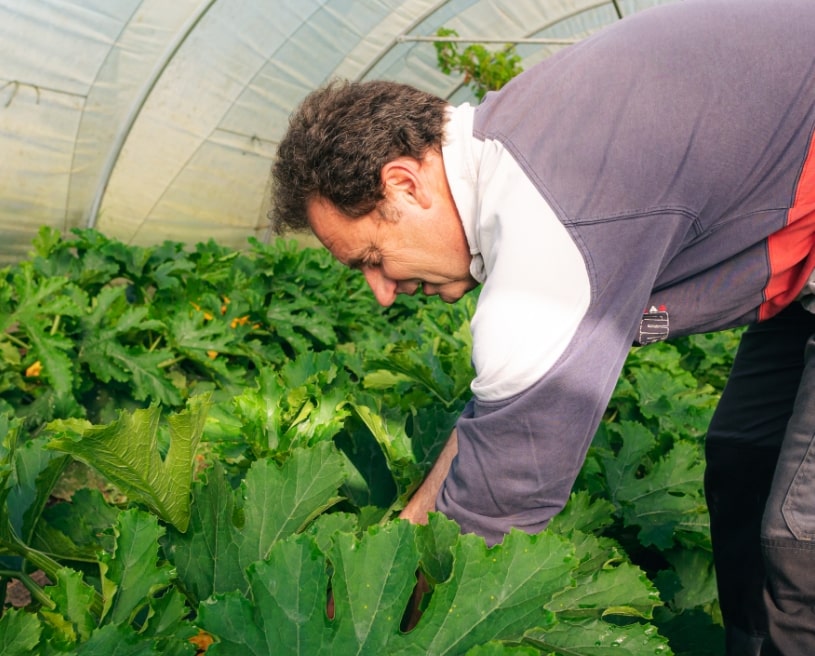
(450, 296)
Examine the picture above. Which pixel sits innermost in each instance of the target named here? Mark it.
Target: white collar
(460, 166)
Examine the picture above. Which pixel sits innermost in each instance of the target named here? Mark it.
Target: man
(653, 180)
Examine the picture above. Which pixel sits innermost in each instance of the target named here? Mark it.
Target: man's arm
(423, 500)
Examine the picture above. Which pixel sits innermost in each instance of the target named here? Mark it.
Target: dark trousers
(760, 488)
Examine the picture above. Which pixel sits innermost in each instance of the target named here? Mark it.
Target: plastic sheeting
(156, 119)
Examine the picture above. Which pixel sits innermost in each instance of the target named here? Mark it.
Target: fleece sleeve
(548, 347)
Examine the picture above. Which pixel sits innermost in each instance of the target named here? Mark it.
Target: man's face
(413, 248)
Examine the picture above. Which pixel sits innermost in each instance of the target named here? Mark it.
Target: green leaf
(492, 594)
(280, 501)
(133, 574)
(149, 381)
(19, 633)
(598, 638)
(231, 618)
(36, 471)
(324, 527)
(206, 556)
(57, 367)
(292, 586)
(692, 633)
(226, 537)
(388, 428)
(10, 432)
(436, 541)
(73, 599)
(621, 466)
(582, 513)
(46, 241)
(168, 616)
(110, 352)
(619, 590)
(404, 359)
(694, 568)
(117, 640)
(193, 336)
(126, 452)
(669, 496)
(372, 582)
(39, 299)
(85, 522)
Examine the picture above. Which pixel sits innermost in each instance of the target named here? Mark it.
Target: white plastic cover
(159, 119)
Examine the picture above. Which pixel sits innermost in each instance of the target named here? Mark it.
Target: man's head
(340, 138)
(361, 165)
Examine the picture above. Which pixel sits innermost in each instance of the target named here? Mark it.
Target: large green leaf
(668, 497)
(133, 573)
(598, 638)
(121, 640)
(490, 594)
(36, 470)
(622, 589)
(111, 348)
(19, 633)
(52, 351)
(282, 500)
(372, 582)
(206, 556)
(86, 522)
(127, 453)
(228, 534)
(73, 600)
(388, 428)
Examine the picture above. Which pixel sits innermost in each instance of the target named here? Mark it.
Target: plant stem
(171, 362)
(16, 341)
(32, 586)
(48, 565)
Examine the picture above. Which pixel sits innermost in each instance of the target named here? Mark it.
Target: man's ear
(405, 175)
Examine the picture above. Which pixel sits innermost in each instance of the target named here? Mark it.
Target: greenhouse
(154, 120)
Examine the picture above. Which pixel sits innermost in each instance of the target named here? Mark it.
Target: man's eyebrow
(361, 260)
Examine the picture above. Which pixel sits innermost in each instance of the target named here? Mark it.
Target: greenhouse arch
(155, 120)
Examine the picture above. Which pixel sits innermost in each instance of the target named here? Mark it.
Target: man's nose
(384, 288)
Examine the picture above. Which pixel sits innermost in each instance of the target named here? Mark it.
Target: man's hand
(423, 500)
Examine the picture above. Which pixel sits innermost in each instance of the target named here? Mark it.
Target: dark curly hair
(339, 139)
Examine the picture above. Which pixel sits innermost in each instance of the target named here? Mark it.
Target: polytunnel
(153, 120)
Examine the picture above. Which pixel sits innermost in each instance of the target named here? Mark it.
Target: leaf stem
(48, 565)
(16, 341)
(170, 362)
(31, 585)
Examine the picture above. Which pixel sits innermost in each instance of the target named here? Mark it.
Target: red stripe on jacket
(791, 250)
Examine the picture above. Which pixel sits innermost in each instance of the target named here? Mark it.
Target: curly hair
(339, 139)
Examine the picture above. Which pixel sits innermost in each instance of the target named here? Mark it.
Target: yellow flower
(240, 321)
(207, 315)
(212, 354)
(202, 641)
(34, 370)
